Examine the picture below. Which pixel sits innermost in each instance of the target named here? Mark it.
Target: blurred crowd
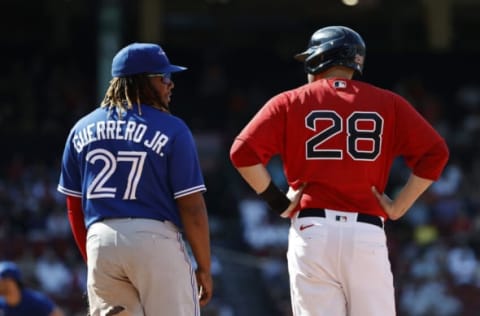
(434, 248)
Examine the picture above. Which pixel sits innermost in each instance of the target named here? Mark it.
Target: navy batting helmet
(333, 46)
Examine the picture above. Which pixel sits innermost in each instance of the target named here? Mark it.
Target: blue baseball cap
(139, 58)
(9, 269)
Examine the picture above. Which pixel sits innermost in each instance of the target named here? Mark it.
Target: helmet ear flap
(317, 62)
(321, 60)
(313, 61)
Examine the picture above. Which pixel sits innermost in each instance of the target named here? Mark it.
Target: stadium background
(55, 59)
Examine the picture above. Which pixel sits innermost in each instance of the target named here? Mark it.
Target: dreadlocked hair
(124, 92)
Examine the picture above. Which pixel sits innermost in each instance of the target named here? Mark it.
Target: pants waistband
(141, 223)
(363, 218)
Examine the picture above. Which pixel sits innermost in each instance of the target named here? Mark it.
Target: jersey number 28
(317, 149)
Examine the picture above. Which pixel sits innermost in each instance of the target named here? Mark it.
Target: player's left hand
(384, 201)
(294, 196)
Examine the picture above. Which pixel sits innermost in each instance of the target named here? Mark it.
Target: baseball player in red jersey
(338, 138)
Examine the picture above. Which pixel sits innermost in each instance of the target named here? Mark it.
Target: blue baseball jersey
(130, 164)
(32, 303)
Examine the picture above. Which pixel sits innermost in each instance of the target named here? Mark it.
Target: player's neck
(334, 72)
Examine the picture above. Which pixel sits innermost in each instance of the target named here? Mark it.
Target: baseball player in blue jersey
(17, 300)
(134, 186)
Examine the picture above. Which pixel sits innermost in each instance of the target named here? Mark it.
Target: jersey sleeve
(70, 179)
(185, 172)
(242, 155)
(77, 223)
(424, 150)
(263, 137)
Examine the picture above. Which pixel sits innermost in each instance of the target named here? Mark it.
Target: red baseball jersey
(340, 137)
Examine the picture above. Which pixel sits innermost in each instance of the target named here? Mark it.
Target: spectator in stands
(18, 300)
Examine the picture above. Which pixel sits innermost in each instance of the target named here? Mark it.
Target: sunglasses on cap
(166, 78)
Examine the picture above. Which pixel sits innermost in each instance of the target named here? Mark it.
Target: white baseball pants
(139, 267)
(339, 267)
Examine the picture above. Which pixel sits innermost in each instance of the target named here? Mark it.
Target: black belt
(320, 212)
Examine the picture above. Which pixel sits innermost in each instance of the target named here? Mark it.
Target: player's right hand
(294, 196)
(205, 283)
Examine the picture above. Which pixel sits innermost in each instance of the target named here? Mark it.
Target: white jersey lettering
(110, 129)
(157, 142)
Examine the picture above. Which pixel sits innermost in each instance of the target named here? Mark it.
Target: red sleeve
(432, 163)
(242, 155)
(263, 136)
(424, 150)
(77, 223)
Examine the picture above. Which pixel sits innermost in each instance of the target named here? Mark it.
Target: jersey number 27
(98, 189)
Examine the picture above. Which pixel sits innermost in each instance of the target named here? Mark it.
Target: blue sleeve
(70, 180)
(33, 303)
(185, 172)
